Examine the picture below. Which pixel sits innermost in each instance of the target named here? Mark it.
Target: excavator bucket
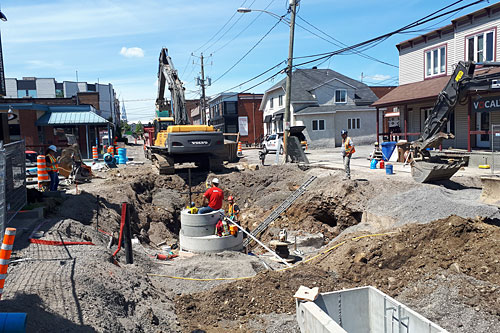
(491, 190)
(426, 172)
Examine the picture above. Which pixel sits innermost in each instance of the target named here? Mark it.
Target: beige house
(425, 65)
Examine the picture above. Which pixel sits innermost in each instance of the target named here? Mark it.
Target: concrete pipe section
(198, 234)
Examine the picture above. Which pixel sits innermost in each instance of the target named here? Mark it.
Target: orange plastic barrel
(95, 156)
(41, 170)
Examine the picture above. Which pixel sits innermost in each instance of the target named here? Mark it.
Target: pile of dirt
(451, 247)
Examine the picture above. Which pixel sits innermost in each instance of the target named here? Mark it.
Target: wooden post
(406, 121)
(469, 111)
(377, 113)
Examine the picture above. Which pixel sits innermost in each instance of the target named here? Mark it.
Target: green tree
(139, 128)
(125, 127)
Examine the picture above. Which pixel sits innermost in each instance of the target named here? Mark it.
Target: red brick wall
(248, 105)
(29, 131)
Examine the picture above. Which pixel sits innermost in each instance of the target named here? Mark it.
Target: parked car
(271, 141)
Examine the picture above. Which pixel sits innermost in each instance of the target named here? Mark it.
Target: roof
(331, 109)
(380, 91)
(422, 90)
(449, 28)
(304, 81)
(71, 118)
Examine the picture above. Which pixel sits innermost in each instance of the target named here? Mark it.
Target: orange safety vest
(53, 164)
(349, 149)
(230, 211)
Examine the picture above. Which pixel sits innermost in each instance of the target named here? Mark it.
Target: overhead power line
(248, 52)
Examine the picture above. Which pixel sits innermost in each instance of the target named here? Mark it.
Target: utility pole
(201, 82)
(293, 7)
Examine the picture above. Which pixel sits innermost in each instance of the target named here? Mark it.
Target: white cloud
(380, 77)
(132, 52)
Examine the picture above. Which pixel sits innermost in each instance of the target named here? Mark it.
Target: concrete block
(197, 225)
(212, 243)
(364, 309)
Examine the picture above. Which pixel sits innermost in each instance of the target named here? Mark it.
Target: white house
(325, 102)
(425, 65)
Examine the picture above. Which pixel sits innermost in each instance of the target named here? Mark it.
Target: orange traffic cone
(240, 151)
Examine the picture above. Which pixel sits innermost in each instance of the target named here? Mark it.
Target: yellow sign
(459, 76)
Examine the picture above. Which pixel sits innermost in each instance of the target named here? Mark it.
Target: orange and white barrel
(111, 151)
(5, 252)
(240, 150)
(41, 170)
(95, 155)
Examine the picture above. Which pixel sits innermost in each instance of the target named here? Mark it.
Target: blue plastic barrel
(373, 164)
(387, 149)
(122, 156)
(388, 169)
(12, 322)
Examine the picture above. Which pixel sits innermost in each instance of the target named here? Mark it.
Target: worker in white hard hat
(212, 199)
(52, 167)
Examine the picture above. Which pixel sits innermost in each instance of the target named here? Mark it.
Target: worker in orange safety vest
(347, 151)
(52, 167)
(233, 211)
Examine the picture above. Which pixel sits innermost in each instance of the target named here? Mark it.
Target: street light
(289, 67)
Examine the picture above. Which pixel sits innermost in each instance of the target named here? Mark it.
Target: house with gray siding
(325, 102)
(426, 63)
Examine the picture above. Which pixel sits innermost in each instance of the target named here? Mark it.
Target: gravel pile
(424, 204)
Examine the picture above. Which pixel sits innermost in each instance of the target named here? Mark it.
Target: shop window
(435, 61)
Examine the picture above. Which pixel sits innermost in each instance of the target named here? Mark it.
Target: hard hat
(53, 148)
(376, 143)
(215, 181)
(230, 198)
(343, 132)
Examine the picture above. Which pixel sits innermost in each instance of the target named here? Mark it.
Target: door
(483, 124)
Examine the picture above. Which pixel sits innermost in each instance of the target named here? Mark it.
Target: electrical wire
(218, 31)
(248, 52)
(228, 29)
(244, 29)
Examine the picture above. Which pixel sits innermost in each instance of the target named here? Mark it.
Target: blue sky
(119, 42)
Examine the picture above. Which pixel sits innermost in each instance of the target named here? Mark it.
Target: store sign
(486, 104)
(243, 126)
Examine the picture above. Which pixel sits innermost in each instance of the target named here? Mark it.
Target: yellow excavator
(174, 140)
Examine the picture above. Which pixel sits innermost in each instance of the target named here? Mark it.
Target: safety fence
(495, 148)
(12, 181)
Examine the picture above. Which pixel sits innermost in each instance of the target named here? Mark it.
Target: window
(230, 108)
(59, 93)
(271, 103)
(340, 96)
(280, 100)
(435, 61)
(480, 47)
(353, 123)
(318, 125)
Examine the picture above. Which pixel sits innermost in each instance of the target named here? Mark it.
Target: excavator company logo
(486, 104)
(199, 143)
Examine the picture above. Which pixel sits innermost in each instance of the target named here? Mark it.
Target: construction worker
(212, 199)
(52, 167)
(347, 151)
(233, 210)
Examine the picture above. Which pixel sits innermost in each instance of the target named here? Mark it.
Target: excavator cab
(161, 125)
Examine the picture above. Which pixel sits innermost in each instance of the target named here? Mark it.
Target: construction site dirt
(433, 247)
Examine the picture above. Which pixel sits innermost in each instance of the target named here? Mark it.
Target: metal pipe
(258, 242)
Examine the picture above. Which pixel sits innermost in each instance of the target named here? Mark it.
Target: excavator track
(164, 165)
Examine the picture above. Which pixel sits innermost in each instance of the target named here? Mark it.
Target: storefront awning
(391, 114)
(267, 119)
(278, 117)
(71, 118)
